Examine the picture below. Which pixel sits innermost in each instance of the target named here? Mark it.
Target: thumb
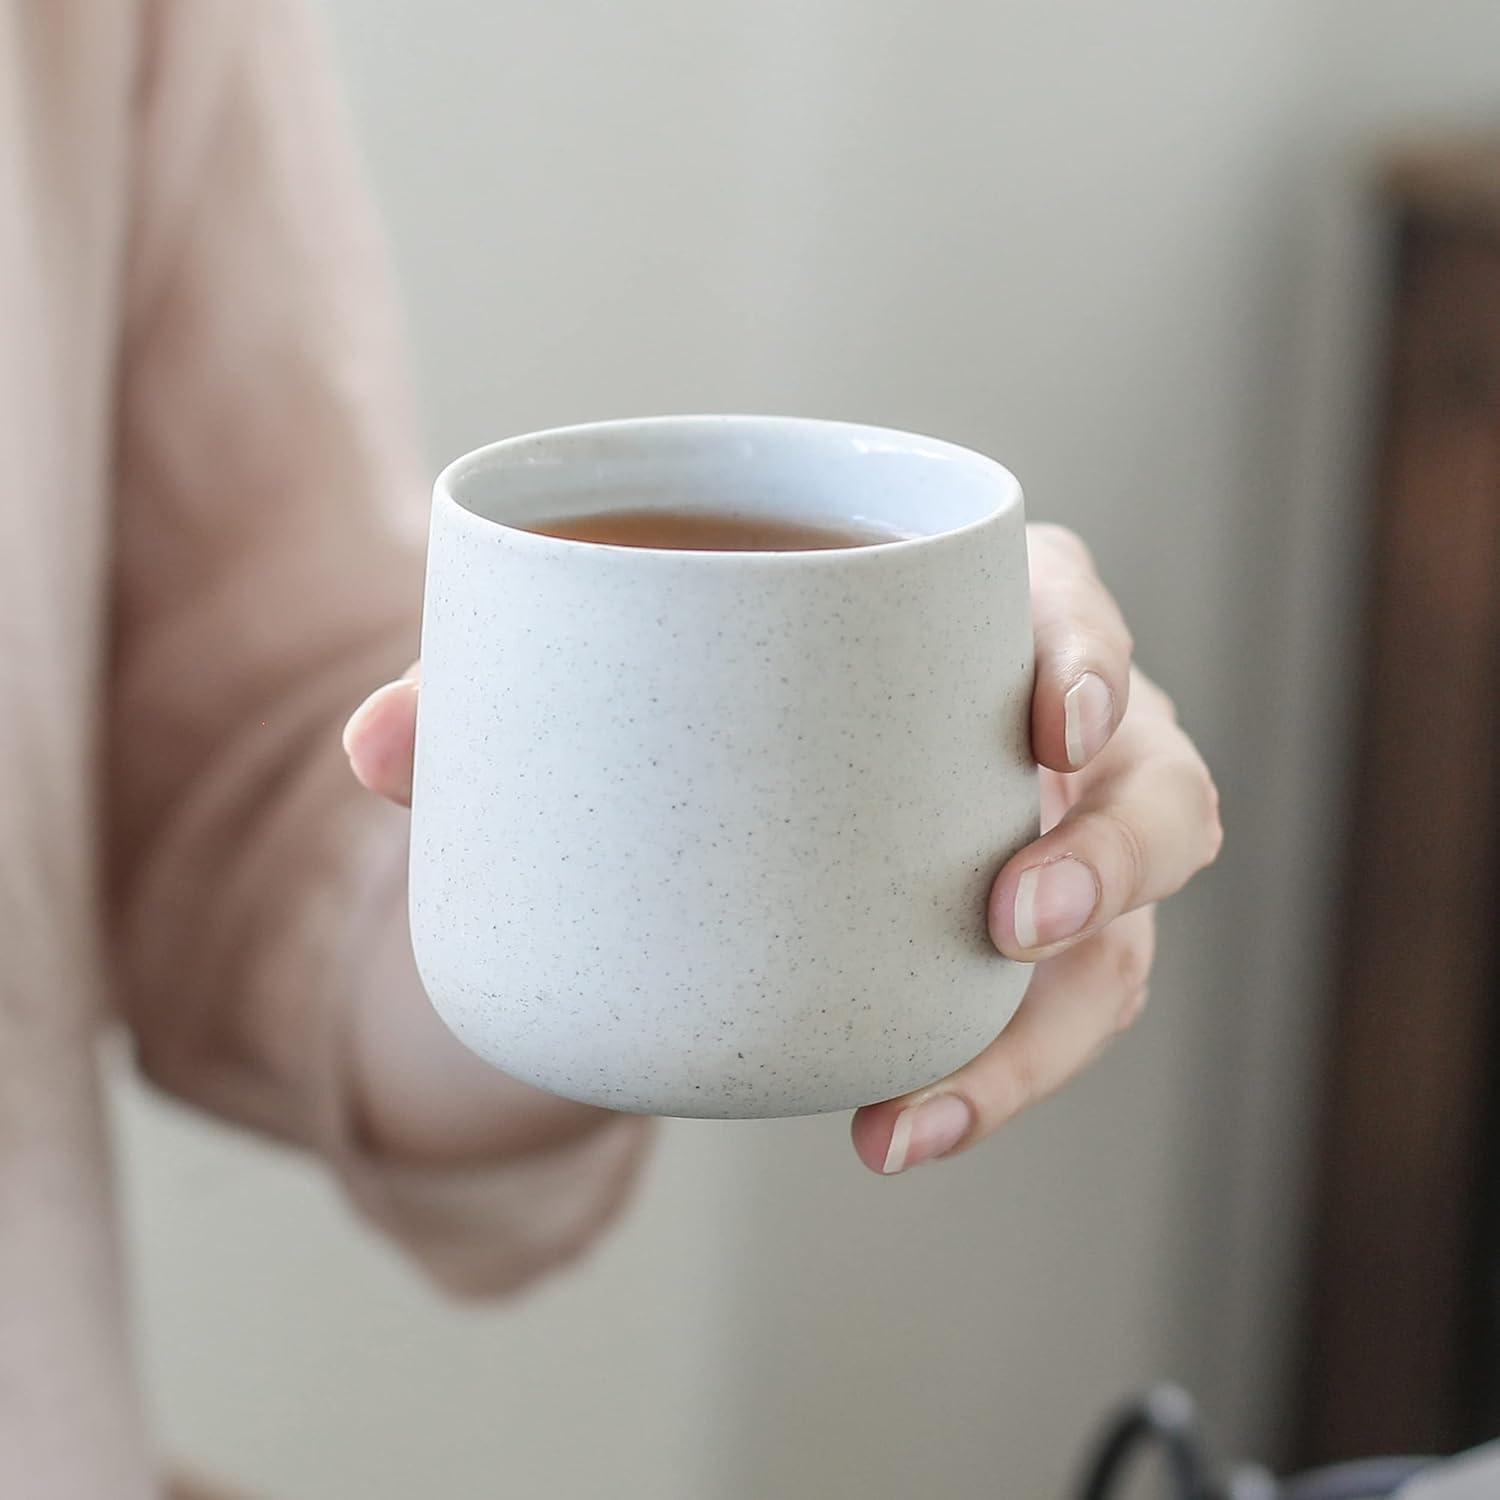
(381, 736)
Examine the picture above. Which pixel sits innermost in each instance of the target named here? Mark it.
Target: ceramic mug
(711, 833)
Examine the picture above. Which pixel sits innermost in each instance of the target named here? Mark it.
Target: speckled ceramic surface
(710, 833)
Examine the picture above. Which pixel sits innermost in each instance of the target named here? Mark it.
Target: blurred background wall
(1126, 250)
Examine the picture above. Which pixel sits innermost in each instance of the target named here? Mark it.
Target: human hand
(1130, 813)
(423, 1097)
(484, 1180)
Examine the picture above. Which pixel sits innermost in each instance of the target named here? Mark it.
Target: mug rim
(1009, 496)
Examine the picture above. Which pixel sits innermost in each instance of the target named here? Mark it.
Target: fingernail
(1088, 712)
(1054, 901)
(926, 1130)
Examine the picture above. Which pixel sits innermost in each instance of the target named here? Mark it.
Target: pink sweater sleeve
(271, 514)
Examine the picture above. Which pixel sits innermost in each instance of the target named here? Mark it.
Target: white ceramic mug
(711, 833)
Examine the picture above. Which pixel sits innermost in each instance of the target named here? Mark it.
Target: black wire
(1163, 1417)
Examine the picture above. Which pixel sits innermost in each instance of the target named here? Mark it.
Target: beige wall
(1115, 246)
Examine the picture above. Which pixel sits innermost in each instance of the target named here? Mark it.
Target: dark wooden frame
(1400, 1335)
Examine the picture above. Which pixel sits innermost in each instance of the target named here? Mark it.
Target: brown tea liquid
(709, 531)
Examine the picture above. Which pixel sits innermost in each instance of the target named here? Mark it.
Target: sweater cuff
(480, 1229)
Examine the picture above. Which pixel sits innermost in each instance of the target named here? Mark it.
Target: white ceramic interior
(771, 468)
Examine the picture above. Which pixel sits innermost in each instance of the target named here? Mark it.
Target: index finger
(1083, 652)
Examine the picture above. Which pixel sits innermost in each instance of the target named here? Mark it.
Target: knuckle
(1025, 1087)
(1112, 640)
(1210, 818)
(1130, 846)
(1130, 1008)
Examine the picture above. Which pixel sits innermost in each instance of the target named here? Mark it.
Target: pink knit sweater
(210, 548)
